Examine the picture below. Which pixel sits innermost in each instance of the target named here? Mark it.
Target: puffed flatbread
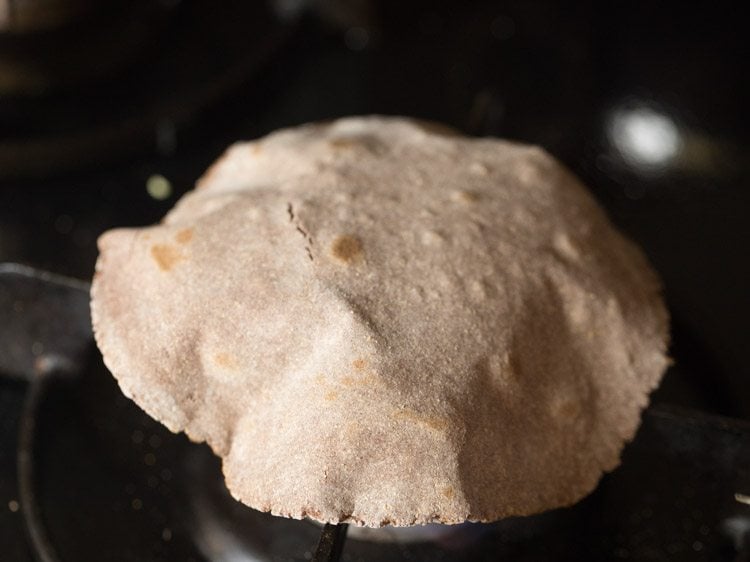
(375, 323)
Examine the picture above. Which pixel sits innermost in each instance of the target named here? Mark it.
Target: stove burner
(679, 491)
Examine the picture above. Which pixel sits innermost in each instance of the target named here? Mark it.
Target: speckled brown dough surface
(374, 323)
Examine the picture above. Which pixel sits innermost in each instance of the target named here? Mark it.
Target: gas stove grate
(684, 465)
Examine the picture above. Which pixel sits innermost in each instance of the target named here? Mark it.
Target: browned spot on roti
(256, 148)
(359, 364)
(567, 409)
(331, 395)
(225, 360)
(367, 143)
(311, 512)
(184, 236)
(362, 379)
(165, 256)
(433, 422)
(344, 143)
(449, 492)
(464, 196)
(347, 249)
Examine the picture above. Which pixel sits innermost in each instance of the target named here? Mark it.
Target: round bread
(376, 323)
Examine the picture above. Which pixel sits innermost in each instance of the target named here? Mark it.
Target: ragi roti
(374, 322)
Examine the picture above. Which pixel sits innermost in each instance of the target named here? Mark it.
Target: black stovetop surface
(533, 71)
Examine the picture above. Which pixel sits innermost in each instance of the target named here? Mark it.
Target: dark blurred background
(111, 109)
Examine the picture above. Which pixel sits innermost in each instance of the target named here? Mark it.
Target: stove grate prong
(331, 543)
